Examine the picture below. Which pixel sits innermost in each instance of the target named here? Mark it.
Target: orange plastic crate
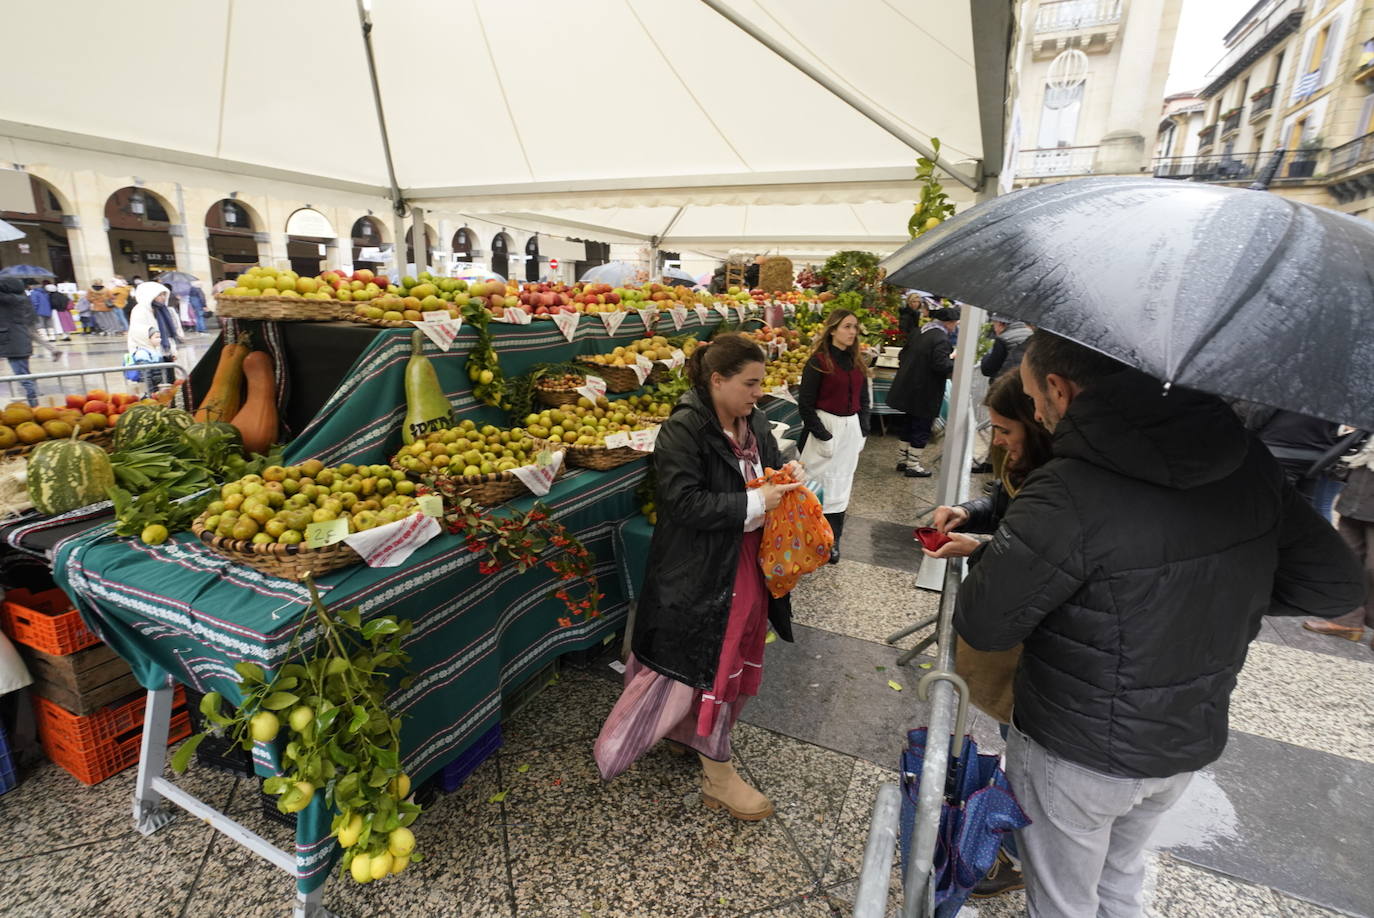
(93, 765)
(96, 729)
(45, 621)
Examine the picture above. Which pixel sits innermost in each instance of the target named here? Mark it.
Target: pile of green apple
(469, 450)
(649, 406)
(586, 423)
(278, 505)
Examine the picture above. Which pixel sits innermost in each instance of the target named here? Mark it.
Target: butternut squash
(257, 419)
(225, 397)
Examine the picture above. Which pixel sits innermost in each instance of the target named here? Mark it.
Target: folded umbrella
(1240, 293)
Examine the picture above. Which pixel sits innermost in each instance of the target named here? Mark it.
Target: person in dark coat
(18, 329)
(702, 619)
(918, 389)
(1355, 507)
(1008, 345)
(1134, 567)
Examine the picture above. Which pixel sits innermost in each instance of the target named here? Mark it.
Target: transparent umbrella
(1240, 293)
(26, 271)
(10, 232)
(615, 273)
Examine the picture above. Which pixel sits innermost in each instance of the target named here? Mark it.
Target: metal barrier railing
(81, 379)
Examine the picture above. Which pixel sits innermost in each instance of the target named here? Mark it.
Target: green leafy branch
(933, 208)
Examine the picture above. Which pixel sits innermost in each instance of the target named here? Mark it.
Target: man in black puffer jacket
(1134, 567)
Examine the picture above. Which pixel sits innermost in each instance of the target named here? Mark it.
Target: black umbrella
(1240, 293)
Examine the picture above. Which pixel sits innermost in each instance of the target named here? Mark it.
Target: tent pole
(419, 237)
(844, 94)
(365, 22)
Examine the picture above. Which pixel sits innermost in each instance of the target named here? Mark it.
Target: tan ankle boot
(721, 786)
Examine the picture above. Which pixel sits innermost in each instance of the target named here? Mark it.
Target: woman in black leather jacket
(703, 618)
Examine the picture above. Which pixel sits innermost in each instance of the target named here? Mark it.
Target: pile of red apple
(98, 401)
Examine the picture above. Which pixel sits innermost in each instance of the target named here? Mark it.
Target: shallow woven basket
(352, 316)
(101, 438)
(623, 379)
(556, 398)
(646, 419)
(277, 308)
(489, 490)
(599, 457)
(290, 562)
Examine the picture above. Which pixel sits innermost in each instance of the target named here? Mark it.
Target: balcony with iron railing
(1072, 15)
(1230, 122)
(1050, 162)
(1296, 165)
(1349, 155)
(1207, 136)
(1262, 102)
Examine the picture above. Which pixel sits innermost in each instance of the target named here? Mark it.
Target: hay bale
(775, 274)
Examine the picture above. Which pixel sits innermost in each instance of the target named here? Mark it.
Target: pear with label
(427, 407)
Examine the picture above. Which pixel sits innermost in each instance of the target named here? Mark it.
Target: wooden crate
(81, 682)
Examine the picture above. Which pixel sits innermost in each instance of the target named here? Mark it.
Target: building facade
(1291, 102)
(1091, 73)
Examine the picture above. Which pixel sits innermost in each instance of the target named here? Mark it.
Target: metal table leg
(150, 813)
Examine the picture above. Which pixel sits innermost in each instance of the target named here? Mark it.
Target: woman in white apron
(834, 409)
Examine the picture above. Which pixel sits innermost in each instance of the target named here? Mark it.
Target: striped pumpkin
(66, 474)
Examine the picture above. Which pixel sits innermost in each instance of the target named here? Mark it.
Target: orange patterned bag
(796, 535)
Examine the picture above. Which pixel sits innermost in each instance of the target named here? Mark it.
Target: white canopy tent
(595, 118)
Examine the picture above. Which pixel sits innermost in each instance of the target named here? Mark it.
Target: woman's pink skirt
(653, 706)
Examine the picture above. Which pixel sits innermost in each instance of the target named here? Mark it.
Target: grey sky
(1198, 46)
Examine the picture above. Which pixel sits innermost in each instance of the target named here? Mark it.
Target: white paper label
(741, 312)
(594, 388)
(724, 312)
(643, 440)
(642, 366)
(679, 315)
(566, 322)
(612, 321)
(703, 314)
(783, 393)
(675, 361)
(650, 318)
(318, 535)
(389, 545)
(539, 476)
(442, 332)
(430, 505)
(617, 440)
(514, 316)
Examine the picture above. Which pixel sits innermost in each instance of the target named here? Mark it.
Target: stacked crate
(87, 702)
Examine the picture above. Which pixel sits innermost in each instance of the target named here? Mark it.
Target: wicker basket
(290, 562)
(377, 323)
(277, 308)
(101, 438)
(599, 457)
(623, 379)
(489, 490)
(556, 398)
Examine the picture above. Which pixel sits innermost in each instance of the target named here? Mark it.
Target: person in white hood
(153, 329)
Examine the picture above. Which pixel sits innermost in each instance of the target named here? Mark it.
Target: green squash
(66, 474)
(205, 436)
(144, 423)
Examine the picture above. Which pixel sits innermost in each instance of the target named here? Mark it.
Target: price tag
(643, 440)
(594, 388)
(514, 316)
(617, 440)
(783, 393)
(741, 312)
(650, 318)
(679, 314)
(318, 535)
(430, 505)
(539, 476)
(724, 312)
(566, 322)
(442, 332)
(703, 314)
(612, 321)
(389, 545)
(675, 361)
(642, 366)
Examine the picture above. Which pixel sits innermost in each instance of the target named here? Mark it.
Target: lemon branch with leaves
(933, 208)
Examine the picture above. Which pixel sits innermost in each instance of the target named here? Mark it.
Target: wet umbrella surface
(1241, 293)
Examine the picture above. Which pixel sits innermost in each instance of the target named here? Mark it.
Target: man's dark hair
(1048, 353)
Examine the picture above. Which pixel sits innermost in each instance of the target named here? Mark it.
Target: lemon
(361, 868)
(400, 786)
(155, 534)
(264, 726)
(399, 863)
(307, 793)
(381, 865)
(485, 377)
(300, 718)
(348, 835)
(400, 842)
